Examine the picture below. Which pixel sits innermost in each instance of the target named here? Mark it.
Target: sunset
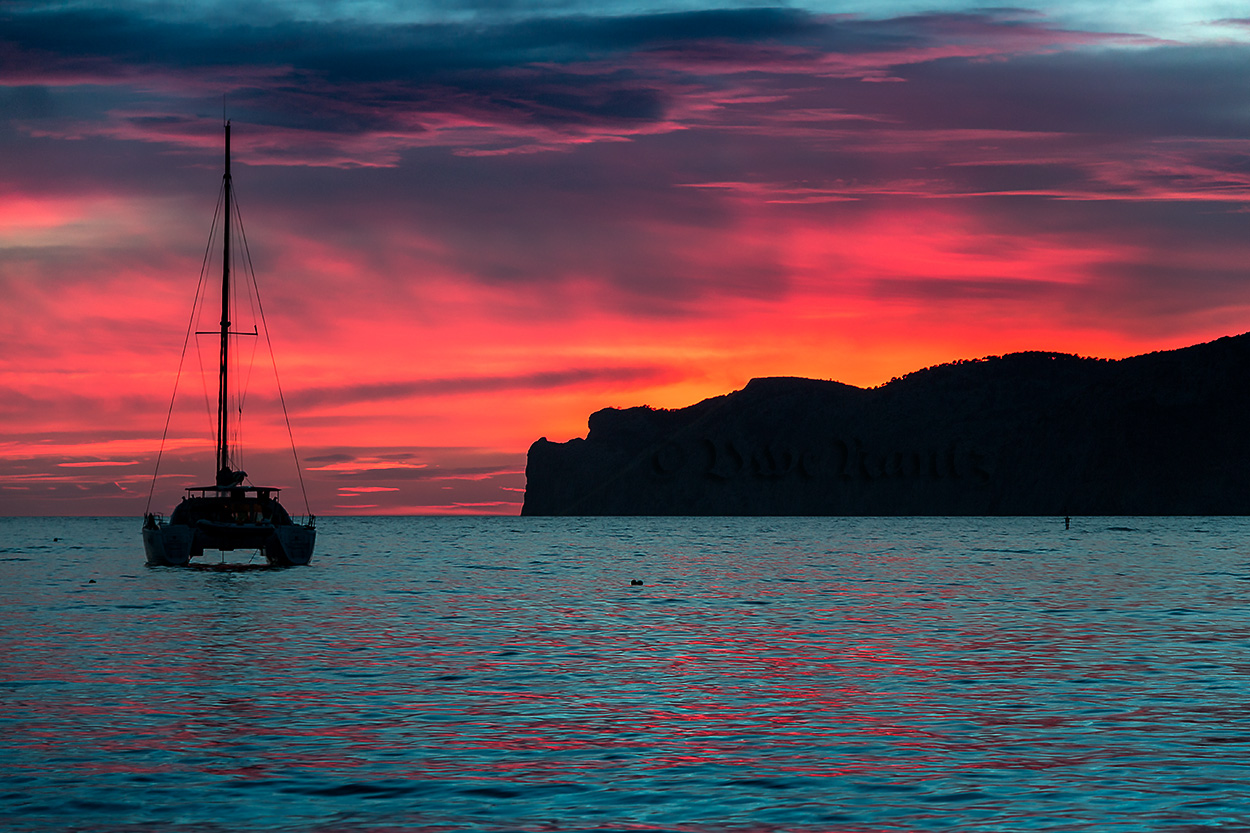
(555, 415)
(474, 225)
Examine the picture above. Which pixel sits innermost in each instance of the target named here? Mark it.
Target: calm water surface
(503, 674)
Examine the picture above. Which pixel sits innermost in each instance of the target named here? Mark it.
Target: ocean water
(505, 674)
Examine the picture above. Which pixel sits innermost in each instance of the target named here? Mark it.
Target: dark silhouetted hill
(1022, 434)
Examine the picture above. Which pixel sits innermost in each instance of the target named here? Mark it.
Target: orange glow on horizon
(458, 261)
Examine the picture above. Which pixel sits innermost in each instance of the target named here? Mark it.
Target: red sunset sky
(474, 227)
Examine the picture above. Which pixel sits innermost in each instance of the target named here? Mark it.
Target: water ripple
(437, 674)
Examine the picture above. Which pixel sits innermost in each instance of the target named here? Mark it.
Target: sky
(475, 223)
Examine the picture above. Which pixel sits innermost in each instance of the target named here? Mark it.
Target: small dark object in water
(1067, 521)
(636, 581)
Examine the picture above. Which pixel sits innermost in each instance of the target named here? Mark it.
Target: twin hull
(174, 544)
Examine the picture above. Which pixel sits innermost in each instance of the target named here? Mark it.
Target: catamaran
(230, 514)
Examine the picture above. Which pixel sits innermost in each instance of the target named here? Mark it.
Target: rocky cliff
(1022, 434)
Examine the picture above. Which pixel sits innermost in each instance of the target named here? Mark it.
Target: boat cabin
(231, 505)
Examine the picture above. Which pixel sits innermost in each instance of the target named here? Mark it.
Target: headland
(1166, 433)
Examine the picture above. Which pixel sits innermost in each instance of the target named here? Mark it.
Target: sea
(736, 675)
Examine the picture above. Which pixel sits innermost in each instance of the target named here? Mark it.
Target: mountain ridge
(1026, 433)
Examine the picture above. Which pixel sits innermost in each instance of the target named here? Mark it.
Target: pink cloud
(462, 252)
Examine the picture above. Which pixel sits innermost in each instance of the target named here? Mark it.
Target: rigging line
(246, 267)
(236, 437)
(274, 361)
(234, 401)
(241, 265)
(186, 339)
(199, 352)
(208, 405)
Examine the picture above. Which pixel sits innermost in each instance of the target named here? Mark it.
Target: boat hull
(168, 545)
(175, 545)
(291, 546)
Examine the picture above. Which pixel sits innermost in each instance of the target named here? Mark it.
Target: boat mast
(223, 405)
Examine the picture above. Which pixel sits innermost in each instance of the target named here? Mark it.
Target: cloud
(341, 93)
(395, 480)
(546, 380)
(476, 224)
(22, 410)
(413, 83)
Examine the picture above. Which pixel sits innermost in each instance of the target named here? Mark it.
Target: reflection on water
(504, 674)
